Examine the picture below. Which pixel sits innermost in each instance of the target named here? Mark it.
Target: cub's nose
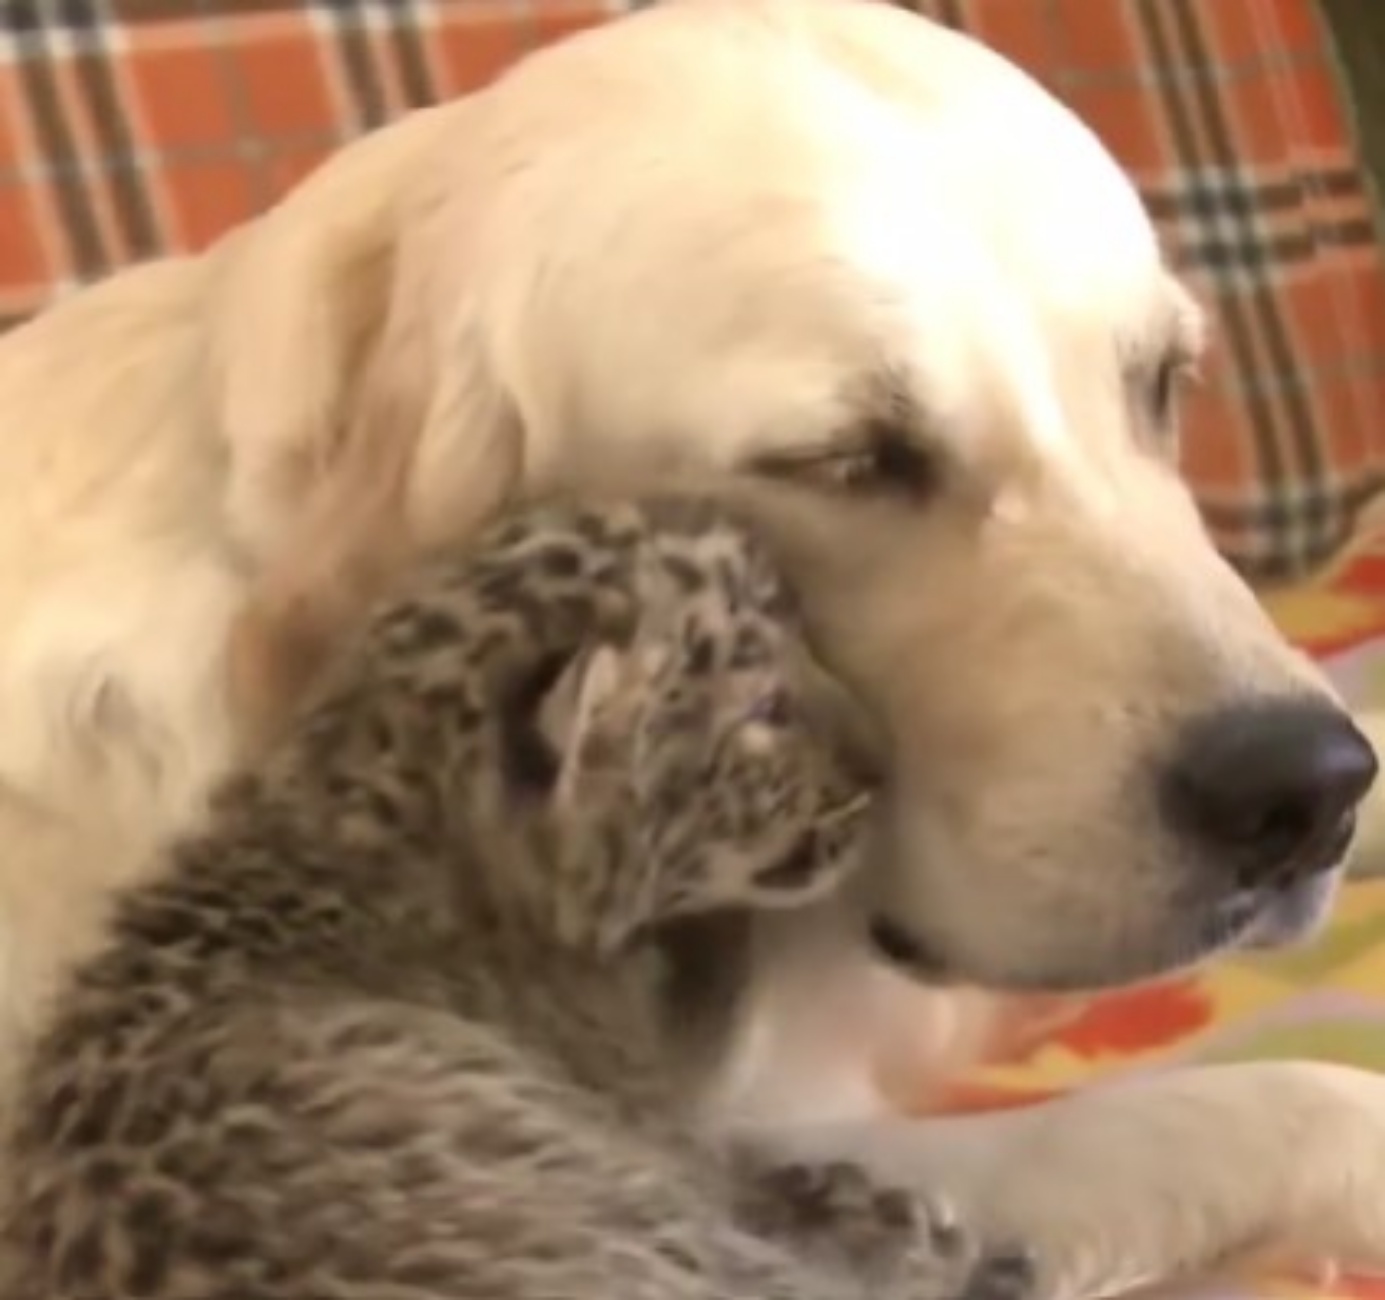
(1270, 788)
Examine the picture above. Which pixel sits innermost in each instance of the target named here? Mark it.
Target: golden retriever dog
(822, 242)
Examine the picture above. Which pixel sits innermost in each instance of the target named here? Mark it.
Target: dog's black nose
(1271, 788)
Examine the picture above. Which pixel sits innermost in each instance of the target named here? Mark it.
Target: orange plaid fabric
(134, 127)
(1230, 116)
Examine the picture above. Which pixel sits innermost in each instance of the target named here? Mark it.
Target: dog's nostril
(1272, 787)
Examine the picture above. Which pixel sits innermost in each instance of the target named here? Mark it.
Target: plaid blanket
(1231, 119)
(134, 127)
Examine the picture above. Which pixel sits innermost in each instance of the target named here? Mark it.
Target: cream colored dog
(816, 240)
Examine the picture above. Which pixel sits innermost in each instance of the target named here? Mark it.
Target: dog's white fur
(710, 233)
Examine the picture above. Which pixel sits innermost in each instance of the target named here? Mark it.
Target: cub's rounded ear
(585, 716)
(349, 383)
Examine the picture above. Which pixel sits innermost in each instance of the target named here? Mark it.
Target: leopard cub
(397, 1021)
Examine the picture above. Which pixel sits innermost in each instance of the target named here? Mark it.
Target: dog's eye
(885, 460)
(1168, 378)
(889, 461)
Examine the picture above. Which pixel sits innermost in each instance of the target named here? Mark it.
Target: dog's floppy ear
(344, 351)
(299, 301)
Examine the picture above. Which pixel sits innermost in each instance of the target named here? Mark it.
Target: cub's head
(706, 764)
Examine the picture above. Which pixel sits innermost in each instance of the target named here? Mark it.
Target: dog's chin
(1258, 919)
(1295, 915)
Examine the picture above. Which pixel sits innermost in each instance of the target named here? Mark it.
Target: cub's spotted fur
(396, 1026)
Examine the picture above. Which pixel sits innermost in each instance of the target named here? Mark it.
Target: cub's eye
(796, 868)
(884, 460)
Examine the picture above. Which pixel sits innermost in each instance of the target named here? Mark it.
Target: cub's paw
(1006, 1274)
(905, 1245)
(838, 1208)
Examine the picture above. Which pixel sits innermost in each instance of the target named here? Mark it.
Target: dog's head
(830, 246)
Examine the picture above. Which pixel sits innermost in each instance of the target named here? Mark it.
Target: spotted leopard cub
(396, 1024)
